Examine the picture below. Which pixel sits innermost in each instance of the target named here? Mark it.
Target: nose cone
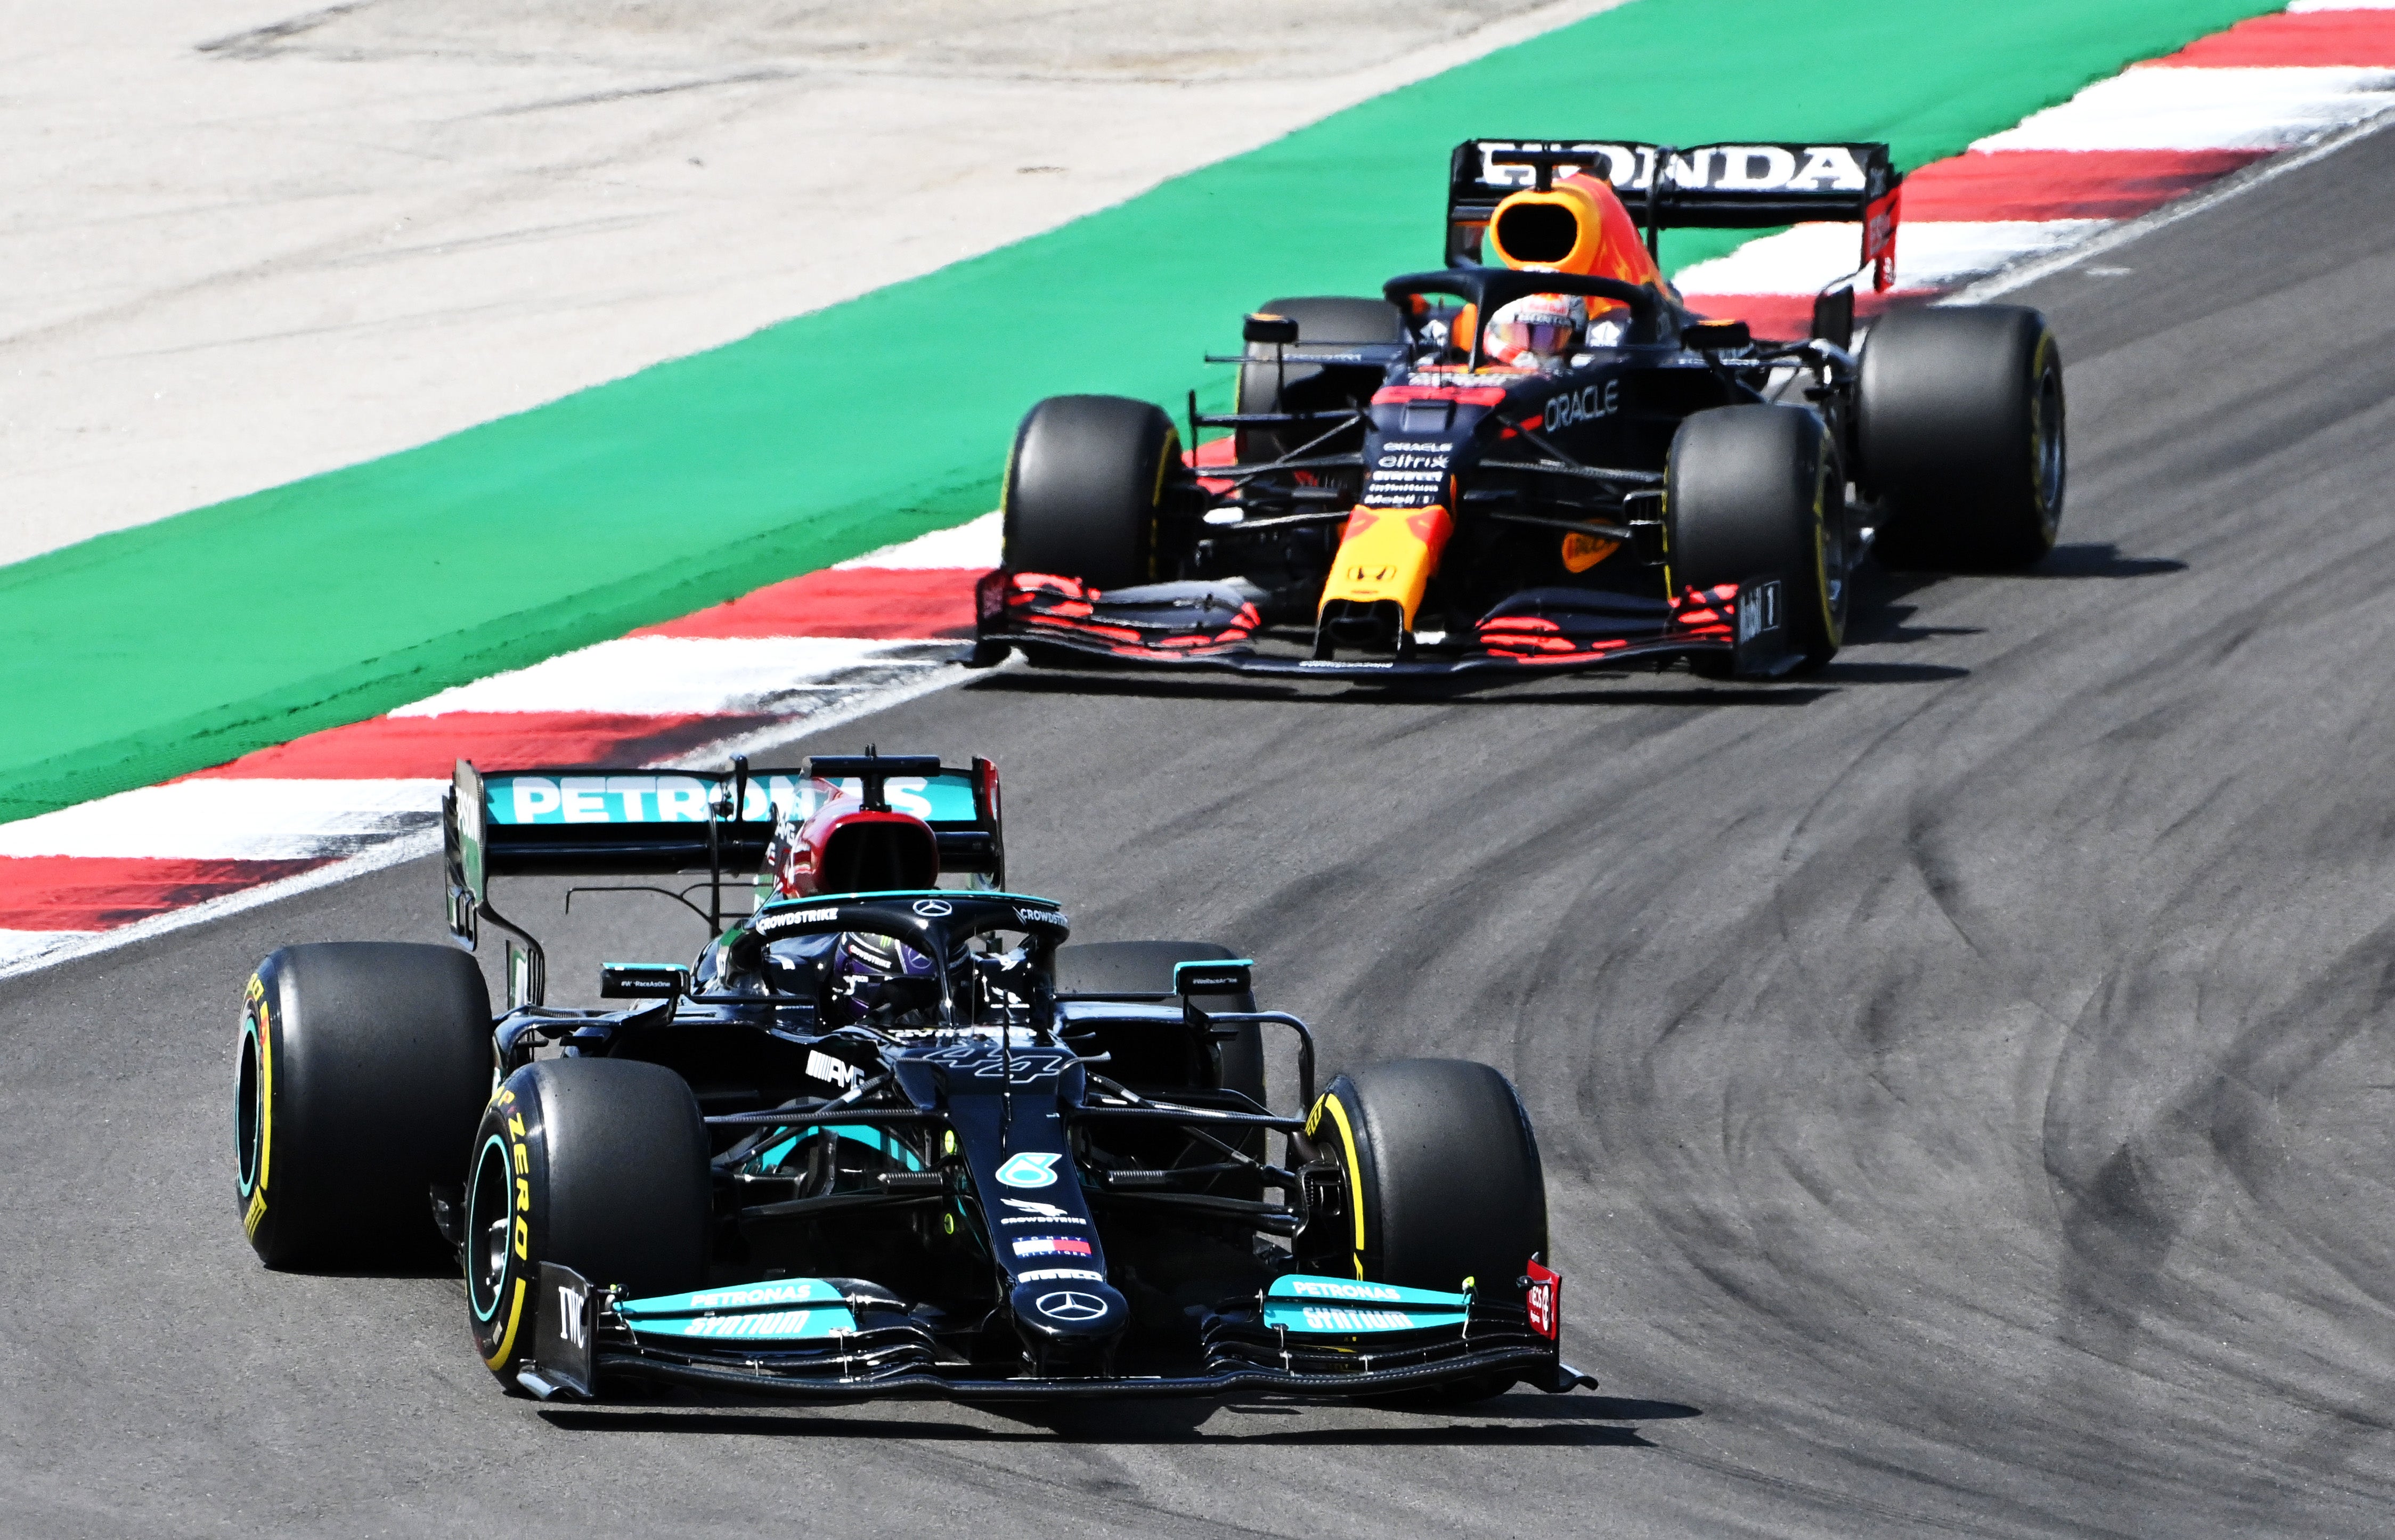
(1069, 1325)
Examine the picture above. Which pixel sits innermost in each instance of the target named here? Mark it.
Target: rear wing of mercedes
(624, 821)
(1703, 187)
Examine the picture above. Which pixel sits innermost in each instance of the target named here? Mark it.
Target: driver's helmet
(862, 960)
(1537, 331)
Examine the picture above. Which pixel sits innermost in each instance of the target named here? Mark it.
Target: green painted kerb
(165, 649)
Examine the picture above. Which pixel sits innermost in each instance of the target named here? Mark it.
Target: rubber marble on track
(1965, 1081)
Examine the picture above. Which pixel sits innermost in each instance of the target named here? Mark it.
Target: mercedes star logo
(1066, 1304)
(932, 909)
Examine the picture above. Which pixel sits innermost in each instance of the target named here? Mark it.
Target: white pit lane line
(232, 821)
(2201, 108)
(1930, 255)
(978, 544)
(695, 676)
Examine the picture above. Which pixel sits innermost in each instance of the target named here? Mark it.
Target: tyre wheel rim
(489, 1205)
(248, 1107)
(2046, 447)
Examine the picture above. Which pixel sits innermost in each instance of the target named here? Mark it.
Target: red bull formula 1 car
(1543, 459)
(884, 1137)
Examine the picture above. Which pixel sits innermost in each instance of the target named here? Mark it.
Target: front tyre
(1086, 490)
(600, 1165)
(1958, 431)
(359, 1071)
(1443, 1179)
(1756, 493)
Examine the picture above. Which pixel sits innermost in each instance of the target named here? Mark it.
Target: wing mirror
(1833, 316)
(1264, 326)
(642, 981)
(1715, 336)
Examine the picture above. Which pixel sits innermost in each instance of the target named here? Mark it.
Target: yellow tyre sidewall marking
(1830, 625)
(519, 1171)
(1354, 1166)
(515, 1318)
(259, 1024)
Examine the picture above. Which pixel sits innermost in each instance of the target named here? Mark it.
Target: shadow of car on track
(2088, 559)
(1578, 1421)
(1485, 692)
(2101, 560)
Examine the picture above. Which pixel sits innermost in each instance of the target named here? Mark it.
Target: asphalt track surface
(1964, 1079)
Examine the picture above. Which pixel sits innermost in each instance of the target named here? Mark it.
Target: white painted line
(972, 545)
(22, 946)
(408, 847)
(2233, 185)
(715, 756)
(425, 841)
(244, 820)
(2201, 109)
(2303, 6)
(662, 675)
(1804, 259)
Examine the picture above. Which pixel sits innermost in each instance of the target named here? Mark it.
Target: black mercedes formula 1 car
(1404, 496)
(884, 1137)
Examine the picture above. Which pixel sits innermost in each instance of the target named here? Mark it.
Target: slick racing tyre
(1754, 493)
(1086, 490)
(360, 1070)
(1443, 1177)
(1146, 967)
(596, 1164)
(1266, 383)
(1959, 432)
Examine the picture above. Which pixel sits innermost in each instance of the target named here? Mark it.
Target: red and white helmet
(1536, 331)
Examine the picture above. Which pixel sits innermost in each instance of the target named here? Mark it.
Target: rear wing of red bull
(624, 821)
(1704, 187)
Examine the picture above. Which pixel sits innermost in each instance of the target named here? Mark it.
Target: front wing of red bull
(1212, 626)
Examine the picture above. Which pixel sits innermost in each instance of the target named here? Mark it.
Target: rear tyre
(360, 1069)
(1755, 492)
(599, 1165)
(1086, 490)
(1444, 1178)
(1958, 431)
(1146, 967)
(1325, 321)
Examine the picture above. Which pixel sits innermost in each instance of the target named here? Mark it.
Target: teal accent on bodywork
(632, 797)
(801, 1324)
(1349, 1290)
(1344, 1307)
(780, 1309)
(872, 1139)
